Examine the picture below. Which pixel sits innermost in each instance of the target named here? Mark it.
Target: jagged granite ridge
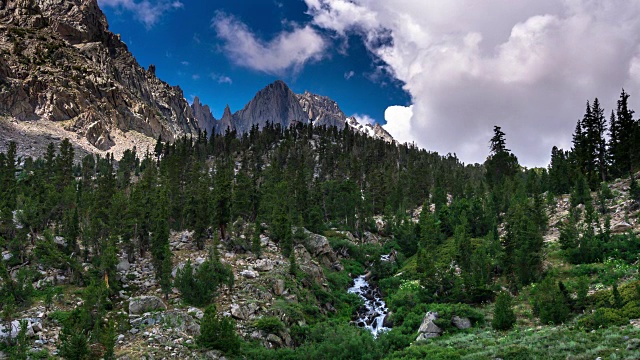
(61, 63)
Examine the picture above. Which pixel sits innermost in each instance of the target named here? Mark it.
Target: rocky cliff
(61, 63)
(275, 104)
(322, 111)
(203, 116)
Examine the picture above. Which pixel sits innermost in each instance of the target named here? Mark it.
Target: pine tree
(501, 163)
(617, 298)
(222, 198)
(256, 245)
(549, 303)
(217, 332)
(160, 249)
(523, 245)
(503, 316)
(621, 130)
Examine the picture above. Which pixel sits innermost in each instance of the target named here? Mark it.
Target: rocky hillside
(60, 63)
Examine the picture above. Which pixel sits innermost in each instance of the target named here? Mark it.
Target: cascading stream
(375, 309)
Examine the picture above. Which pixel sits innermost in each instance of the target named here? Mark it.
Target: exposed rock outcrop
(61, 63)
(321, 110)
(203, 116)
(143, 304)
(428, 329)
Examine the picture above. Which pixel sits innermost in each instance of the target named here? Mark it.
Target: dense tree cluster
(480, 228)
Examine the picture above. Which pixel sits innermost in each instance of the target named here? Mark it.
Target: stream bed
(371, 316)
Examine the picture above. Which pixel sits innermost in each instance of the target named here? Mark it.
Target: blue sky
(440, 73)
(187, 51)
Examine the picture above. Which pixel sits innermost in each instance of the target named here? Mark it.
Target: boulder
(461, 323)
(319, 247)
(621, 227)
(59, 240)
(428, 329)
(34, 325)
(199, 314)
(214, 355)
(275, 340)
(248, 274)
(174, 319)
(243, 312)
(263, 265)
(123, 265)
(369, 238)
(278, 287)
(143, 304)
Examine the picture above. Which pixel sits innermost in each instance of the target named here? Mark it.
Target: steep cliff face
(321, 110)
(203, 116)
(62, 64)
(276, 104)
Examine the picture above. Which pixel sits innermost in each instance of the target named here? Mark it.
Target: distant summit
(277, 104)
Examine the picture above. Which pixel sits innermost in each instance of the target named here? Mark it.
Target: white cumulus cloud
(288, 50)
(528, 66)
(146, 11)
(221, 79)
(364, 119)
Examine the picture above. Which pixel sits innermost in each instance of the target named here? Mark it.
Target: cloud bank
(147, 12)
(287, 51)
(528, 66)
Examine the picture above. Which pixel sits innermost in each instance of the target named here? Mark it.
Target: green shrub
(199, 287)
(603, 318)
(218, 333)
(269, 324)
(516, 352)
(631, 310)
(549, 303)
(427, 352)
(447, 311)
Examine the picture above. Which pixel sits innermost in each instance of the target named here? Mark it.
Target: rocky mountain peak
(202, 113)
(276, 103)
(321, 110)
(61, 64)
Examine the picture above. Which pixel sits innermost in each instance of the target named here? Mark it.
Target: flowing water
(371, 316)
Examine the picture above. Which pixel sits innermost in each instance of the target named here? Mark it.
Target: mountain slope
(62, 64)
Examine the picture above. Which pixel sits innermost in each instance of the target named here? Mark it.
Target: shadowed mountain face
(275, 104)
(61, 63)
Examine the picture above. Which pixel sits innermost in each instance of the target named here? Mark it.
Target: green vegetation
(477, 249)
(217, 332)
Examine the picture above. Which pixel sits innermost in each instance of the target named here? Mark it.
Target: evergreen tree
(501, 163)
(581, 193)
(503, 316)
(222, 198)
(523, 245)
(218, 332)
(621, 132)
(160, 249)
(549, 303)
